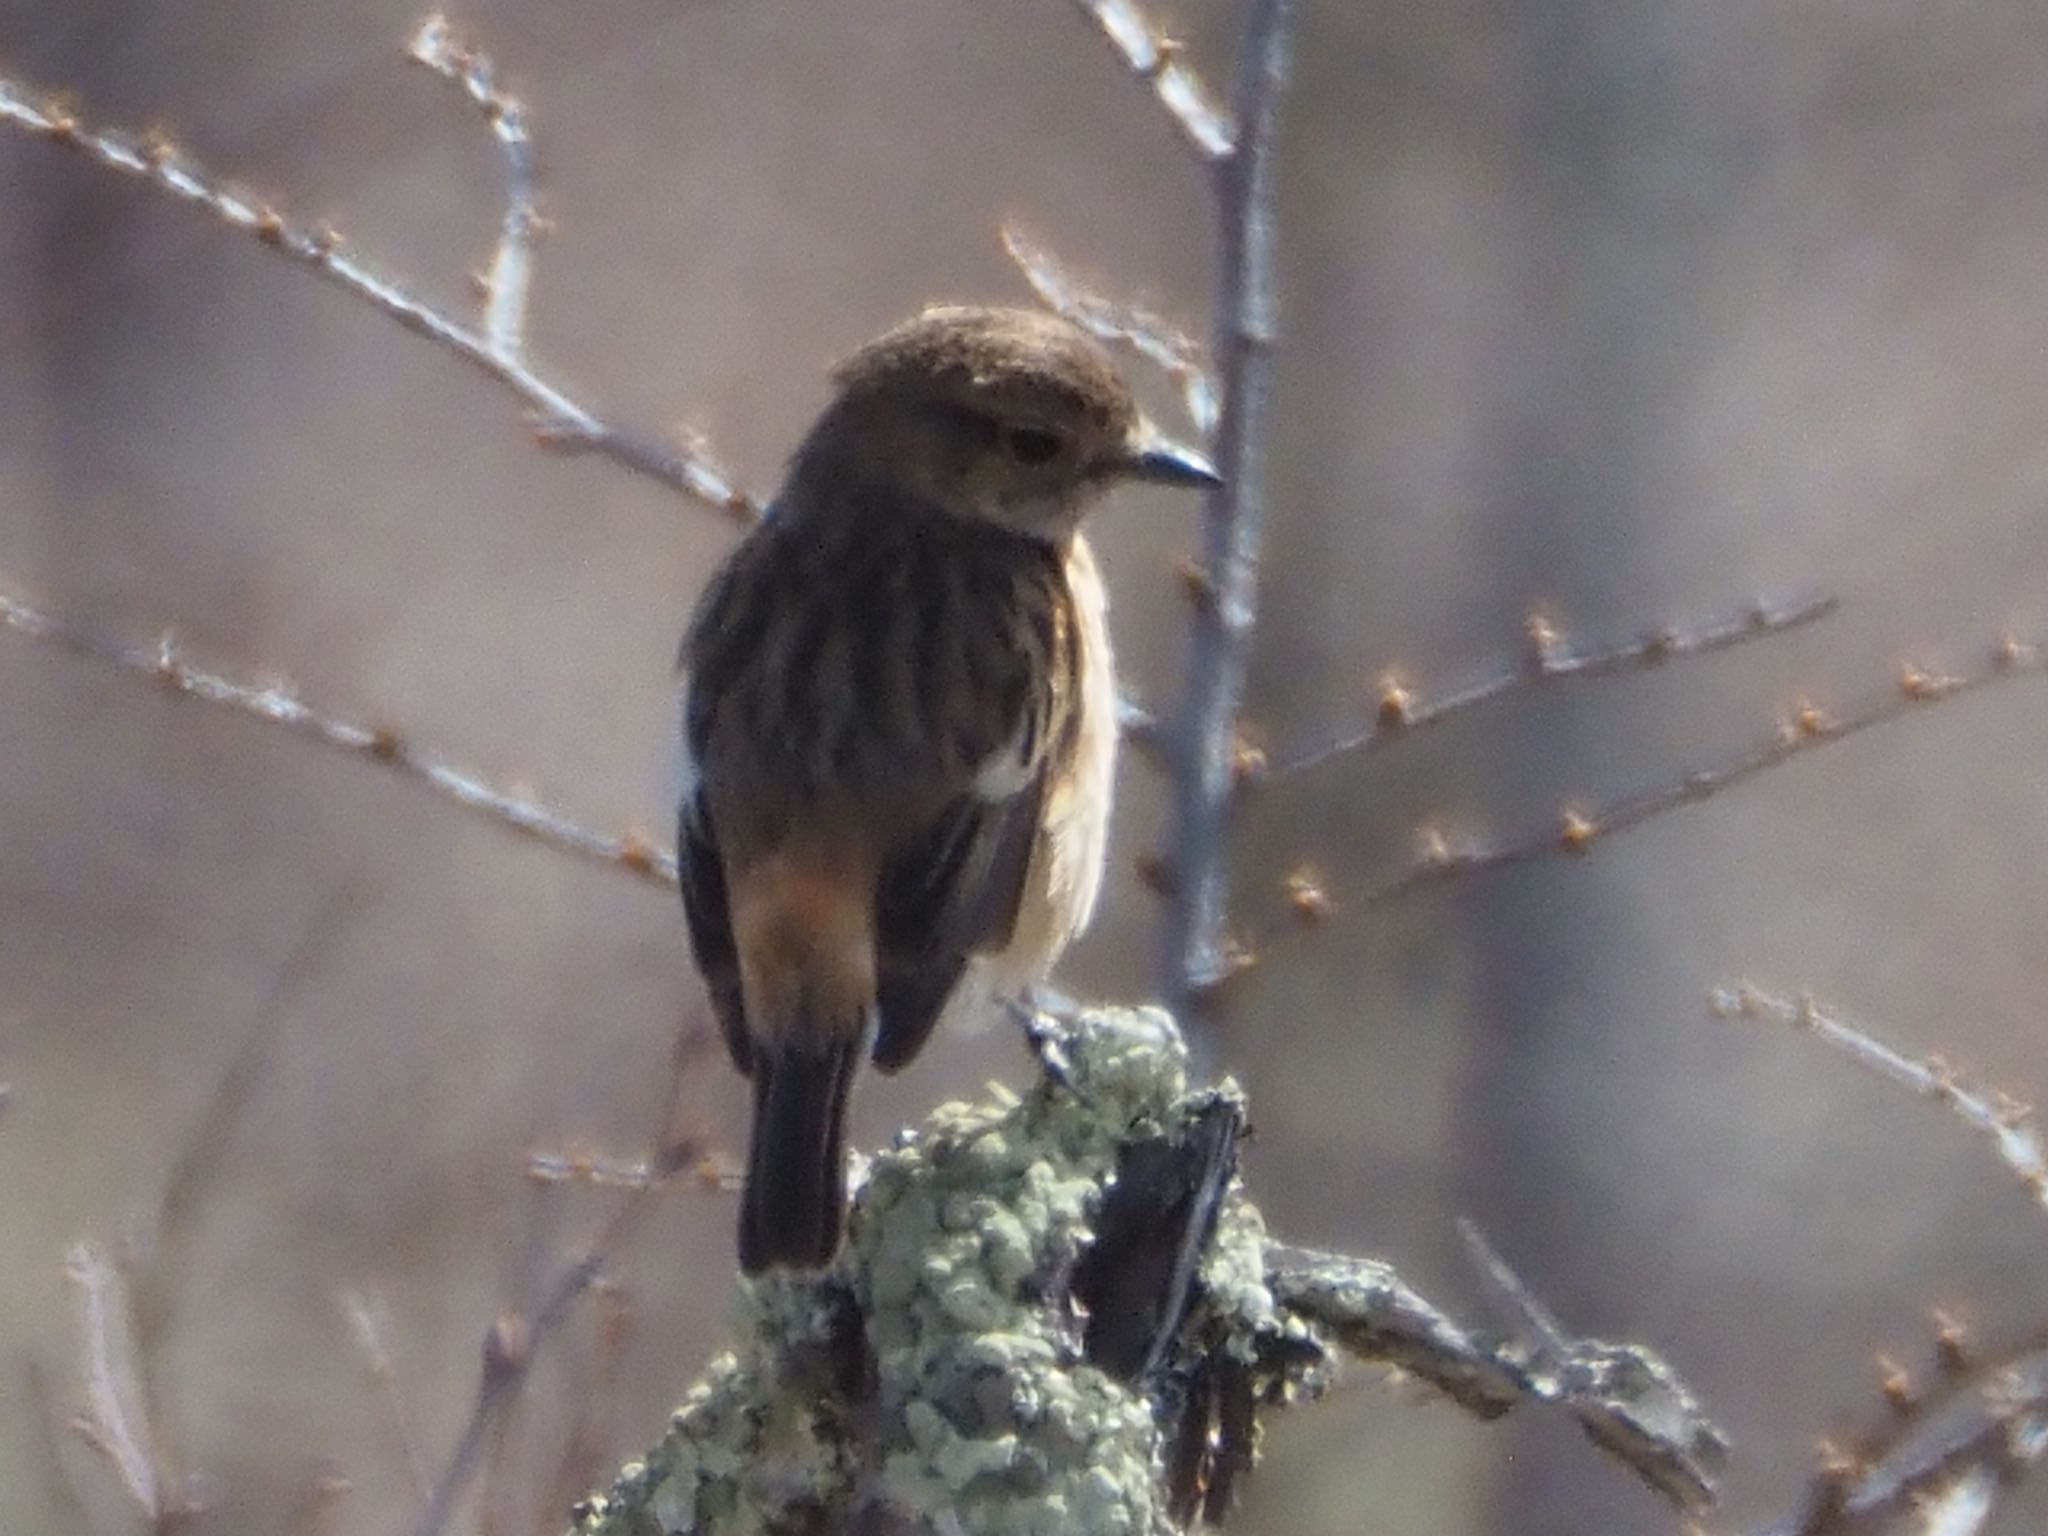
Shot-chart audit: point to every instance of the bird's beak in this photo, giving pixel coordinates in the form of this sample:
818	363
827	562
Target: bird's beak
1155	457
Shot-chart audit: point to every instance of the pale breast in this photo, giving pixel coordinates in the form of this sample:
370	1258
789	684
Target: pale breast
1065	876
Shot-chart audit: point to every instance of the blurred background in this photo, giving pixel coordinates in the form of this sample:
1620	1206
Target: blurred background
1625	310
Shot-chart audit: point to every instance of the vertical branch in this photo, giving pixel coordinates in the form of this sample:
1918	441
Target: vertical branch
1195	955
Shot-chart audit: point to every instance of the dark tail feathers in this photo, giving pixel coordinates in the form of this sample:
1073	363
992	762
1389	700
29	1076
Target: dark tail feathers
795	1199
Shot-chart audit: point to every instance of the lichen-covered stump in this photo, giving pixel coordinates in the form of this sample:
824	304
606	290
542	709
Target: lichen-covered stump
999	1349
1059	1315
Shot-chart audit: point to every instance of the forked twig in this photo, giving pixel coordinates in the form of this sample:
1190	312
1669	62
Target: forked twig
1809	727
494	348
1628	1401
513	1341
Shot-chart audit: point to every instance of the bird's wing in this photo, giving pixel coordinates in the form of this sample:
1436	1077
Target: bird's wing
951	893
701	874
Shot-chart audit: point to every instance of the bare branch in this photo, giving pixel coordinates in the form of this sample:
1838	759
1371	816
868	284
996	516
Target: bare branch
195	1164
1627	1400
1945	1454
493	349
1155	59
368	1325
1375	1316
1985	1425
2005	1122
513	1341
1195	959
1808	728
1549	659
381	744
604	1170
114	1423
1151	336
510	277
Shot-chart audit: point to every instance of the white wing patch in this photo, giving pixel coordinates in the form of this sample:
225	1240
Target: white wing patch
1007	774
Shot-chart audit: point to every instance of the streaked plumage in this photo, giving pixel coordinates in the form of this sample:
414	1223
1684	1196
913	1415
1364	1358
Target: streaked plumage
900	725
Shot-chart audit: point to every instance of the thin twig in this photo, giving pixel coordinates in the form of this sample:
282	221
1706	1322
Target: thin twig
492	349
1549	659
510	276
1626	1399
114	1423
579	1467
577	1165
367	1325
1945	1453
1206	728
150	1263
384	745
1987	1418
1151	336
513	1341
1809	728
2006	1123
1155	58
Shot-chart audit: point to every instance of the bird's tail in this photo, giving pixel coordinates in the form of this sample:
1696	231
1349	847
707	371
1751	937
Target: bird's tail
808	975
795	1199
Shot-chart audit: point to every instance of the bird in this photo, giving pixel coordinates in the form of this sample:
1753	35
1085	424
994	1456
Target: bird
899	725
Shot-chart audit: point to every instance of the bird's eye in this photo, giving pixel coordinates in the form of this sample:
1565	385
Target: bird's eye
1031	445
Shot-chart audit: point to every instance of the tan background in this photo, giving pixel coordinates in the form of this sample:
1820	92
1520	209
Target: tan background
1630	309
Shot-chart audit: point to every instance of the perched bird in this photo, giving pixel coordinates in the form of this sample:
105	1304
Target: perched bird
899	725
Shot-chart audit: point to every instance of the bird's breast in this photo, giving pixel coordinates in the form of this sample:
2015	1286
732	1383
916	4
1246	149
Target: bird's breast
1065	877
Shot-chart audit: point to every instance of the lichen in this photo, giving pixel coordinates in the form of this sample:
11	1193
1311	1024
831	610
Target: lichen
974	1411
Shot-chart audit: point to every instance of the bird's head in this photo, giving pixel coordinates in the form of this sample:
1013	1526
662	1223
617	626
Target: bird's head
1013	416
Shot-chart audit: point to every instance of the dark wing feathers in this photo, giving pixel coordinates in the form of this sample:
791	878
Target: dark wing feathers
942	900
702	876
886	655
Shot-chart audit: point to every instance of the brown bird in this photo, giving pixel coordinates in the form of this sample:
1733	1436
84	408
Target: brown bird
899	725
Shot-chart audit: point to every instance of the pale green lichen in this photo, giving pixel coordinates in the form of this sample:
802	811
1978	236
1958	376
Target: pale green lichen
973	1411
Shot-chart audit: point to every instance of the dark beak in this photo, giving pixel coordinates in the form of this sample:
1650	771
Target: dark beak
1157	458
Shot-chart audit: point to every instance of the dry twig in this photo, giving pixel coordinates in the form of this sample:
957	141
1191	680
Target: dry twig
382	744
1152	337
1398	712
114	1422
513	1340
1156	59
494	347
368	1326
2005	1122
1808	728
1627	1400
1984	1426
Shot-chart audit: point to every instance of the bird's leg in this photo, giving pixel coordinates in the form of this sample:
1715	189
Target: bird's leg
1047	1017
